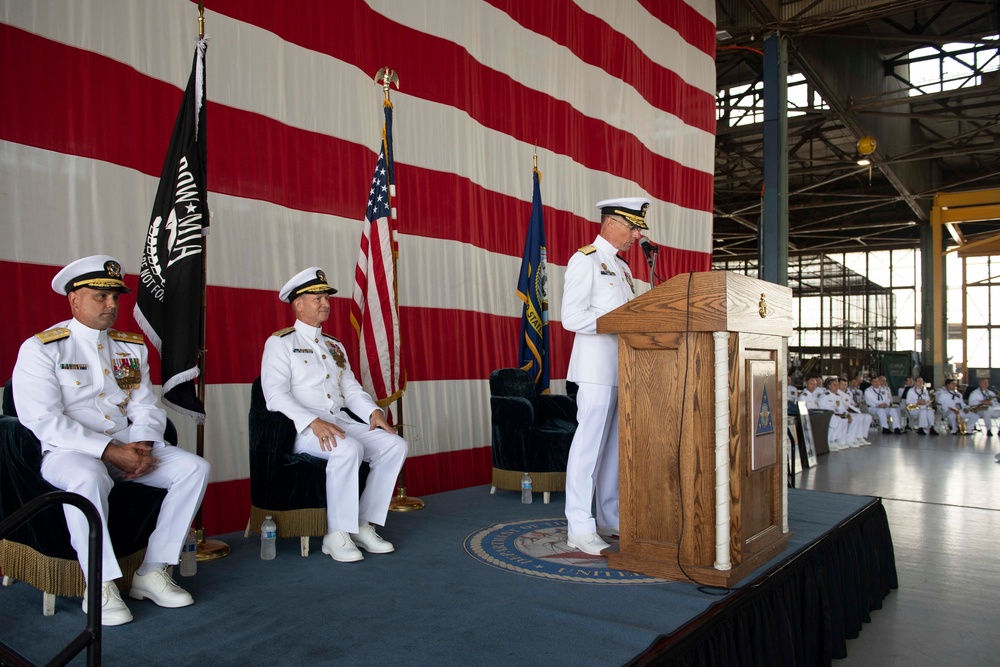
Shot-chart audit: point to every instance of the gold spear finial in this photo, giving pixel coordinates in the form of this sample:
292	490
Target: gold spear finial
386	76
201	19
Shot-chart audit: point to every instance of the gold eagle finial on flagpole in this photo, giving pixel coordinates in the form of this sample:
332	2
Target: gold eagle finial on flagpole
386	76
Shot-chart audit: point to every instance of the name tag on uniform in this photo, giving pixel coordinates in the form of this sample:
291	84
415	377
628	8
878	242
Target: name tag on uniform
73	367
302	350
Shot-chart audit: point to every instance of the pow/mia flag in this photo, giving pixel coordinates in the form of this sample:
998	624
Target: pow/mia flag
171	275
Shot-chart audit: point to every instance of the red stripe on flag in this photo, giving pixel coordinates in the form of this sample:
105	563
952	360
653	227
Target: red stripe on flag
487	341
126	125
596	43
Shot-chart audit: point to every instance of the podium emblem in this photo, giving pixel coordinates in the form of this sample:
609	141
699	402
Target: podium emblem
763	439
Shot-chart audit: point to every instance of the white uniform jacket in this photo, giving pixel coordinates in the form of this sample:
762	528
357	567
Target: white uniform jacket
877	396
66	393
812	397
831	400
915	394
949	400
305	374
978	396
596	282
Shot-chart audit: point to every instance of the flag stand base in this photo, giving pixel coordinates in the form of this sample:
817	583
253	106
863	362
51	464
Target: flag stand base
211	549
404	503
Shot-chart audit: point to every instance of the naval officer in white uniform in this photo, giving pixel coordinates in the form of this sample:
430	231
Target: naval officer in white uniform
597	281
84	390
305	375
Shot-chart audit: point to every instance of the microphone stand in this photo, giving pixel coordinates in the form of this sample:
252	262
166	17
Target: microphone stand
651	254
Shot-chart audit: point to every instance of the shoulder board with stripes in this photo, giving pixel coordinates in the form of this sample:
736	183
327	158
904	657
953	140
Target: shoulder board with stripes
588	250
135	339
326	335
56	333
280	333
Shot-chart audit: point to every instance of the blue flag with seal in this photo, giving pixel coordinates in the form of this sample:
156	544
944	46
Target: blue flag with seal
531	289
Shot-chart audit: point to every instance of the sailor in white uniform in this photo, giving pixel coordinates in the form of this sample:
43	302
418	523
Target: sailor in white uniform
597	281
860	422
923	414
84	390
953	406
985	399
879	401
305	376
830	399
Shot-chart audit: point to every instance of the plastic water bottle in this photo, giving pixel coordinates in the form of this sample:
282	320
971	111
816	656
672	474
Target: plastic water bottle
189	555
268	536
526	489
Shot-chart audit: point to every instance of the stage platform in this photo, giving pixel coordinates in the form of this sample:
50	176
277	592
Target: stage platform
480	579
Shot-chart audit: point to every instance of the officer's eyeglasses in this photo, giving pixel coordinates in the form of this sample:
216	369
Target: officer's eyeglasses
631	227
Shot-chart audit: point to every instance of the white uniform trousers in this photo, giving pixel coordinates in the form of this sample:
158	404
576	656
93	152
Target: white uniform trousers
988	415
837	433
858	428
592	467
385	454
970	419
183	474
923	416
884	414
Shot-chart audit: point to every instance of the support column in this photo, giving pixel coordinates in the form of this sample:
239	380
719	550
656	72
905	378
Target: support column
772	232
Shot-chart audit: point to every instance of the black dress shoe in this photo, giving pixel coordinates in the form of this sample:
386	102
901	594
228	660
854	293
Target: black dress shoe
898	432
921	431
989	434
885	430
933	431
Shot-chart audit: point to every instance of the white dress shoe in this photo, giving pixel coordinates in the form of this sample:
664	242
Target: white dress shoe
370	541
588	543
608	531
114	611
339	547
160	588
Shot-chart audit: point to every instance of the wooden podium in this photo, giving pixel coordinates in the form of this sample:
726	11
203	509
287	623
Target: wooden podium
701	413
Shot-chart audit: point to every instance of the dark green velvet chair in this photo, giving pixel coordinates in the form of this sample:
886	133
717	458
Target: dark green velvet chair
39	552
531	433
288	486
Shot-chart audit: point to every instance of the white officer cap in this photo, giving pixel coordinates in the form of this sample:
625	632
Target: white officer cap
307	281
632	209
95	272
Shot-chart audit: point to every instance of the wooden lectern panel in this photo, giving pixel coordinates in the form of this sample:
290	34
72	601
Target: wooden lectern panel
667	426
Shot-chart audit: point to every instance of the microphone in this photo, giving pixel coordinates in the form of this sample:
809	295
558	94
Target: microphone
649	249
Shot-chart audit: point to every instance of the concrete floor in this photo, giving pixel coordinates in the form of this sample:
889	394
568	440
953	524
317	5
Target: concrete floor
942	496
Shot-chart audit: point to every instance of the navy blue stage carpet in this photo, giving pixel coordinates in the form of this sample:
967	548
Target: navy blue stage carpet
476	579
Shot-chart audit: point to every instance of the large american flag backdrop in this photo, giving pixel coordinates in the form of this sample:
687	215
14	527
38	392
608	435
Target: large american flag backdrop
617	98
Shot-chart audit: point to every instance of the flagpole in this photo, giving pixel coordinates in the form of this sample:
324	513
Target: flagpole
207	549
400	502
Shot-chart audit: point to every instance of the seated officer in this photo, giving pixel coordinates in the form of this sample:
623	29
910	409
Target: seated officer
879	402
841	419
984	401
923	412
950	401
83	389
305	376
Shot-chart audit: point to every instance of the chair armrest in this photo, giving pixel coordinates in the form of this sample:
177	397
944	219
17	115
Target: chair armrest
512	412
556	406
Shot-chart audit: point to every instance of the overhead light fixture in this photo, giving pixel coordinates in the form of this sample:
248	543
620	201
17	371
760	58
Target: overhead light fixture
866	146
722	35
